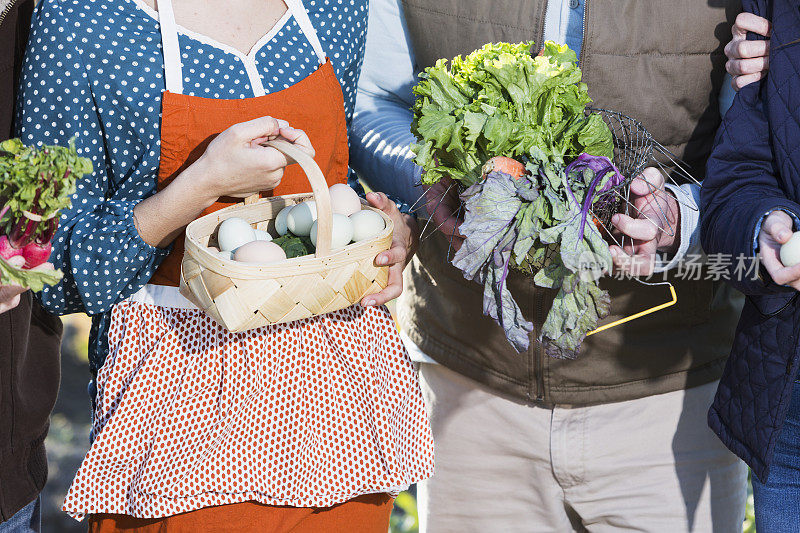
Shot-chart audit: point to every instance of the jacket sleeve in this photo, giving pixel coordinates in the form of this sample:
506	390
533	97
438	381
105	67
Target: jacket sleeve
741	186
380	135
97	245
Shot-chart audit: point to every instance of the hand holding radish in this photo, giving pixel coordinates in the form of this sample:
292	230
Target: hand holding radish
405	240
442	203
775	232
10	293
35	184
748	61
655	228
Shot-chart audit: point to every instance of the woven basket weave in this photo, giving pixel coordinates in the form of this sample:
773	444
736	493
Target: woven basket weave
245	296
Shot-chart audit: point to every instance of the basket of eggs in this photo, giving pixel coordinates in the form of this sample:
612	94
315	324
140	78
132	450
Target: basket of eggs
274	260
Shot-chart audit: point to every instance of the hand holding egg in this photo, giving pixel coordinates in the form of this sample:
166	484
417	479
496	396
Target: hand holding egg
779	249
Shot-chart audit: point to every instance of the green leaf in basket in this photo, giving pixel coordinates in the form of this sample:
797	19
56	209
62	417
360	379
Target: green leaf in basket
294	246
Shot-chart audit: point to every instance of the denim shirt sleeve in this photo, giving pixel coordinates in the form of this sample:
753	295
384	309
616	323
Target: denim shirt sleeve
380	136
97	244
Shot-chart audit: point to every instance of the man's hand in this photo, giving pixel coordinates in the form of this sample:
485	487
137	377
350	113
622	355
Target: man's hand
748	61
775	231
655	228
9	297
405	240
9	294
442	203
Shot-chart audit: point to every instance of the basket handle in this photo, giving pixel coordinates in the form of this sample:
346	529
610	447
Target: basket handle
318	186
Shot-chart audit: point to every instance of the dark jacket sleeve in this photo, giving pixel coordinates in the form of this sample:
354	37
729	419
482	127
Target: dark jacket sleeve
742	183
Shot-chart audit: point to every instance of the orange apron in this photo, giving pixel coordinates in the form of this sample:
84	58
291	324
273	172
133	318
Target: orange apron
189	123
310	414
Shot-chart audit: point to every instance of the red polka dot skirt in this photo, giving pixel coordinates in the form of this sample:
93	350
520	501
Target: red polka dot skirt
306	414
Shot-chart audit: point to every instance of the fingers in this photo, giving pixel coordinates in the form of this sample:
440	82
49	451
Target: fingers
740	67
396	255
637	265
740	81
393	289
744	49
788	276
442	208
748	22
299	138
649	181
637	229
10	297
255	129
380	201
778	227
17	261
9	304
45	267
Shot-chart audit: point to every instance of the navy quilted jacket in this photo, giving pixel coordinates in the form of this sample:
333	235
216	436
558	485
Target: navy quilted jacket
754	169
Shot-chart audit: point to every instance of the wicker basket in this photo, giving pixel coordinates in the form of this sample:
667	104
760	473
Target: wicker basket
245	296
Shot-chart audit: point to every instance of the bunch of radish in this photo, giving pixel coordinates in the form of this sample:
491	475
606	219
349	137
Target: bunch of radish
35	184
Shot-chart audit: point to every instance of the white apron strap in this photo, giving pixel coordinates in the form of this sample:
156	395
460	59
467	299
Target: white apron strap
173	74
301	16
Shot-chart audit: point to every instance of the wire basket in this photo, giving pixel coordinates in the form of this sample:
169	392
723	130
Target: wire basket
633	150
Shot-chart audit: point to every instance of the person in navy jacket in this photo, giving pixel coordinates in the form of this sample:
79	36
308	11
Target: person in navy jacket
750	206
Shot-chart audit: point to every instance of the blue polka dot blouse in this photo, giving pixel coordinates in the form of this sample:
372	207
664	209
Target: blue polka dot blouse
94	70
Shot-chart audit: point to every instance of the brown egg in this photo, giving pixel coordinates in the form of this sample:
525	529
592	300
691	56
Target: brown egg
262	252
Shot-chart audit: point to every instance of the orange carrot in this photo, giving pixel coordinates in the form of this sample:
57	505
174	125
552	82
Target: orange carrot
509	166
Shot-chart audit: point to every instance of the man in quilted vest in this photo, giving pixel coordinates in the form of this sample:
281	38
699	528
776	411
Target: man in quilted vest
751	204
617	439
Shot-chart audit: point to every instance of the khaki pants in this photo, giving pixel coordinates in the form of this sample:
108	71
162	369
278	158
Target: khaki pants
644	465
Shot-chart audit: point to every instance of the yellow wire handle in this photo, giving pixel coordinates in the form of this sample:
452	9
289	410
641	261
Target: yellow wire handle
640	314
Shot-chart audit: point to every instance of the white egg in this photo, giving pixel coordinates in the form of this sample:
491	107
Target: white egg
344	199
280	221
301	217
262	235
226	255
790	251
341	232
366	224
259	252
233	233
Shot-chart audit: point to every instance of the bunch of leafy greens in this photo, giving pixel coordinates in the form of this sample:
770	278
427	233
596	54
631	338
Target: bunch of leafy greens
35	184
40	181
501	101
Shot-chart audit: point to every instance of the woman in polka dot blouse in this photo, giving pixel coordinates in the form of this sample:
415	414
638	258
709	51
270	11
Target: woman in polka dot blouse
313	425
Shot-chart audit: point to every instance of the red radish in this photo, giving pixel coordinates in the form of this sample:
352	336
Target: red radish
35	254
7	251
506	165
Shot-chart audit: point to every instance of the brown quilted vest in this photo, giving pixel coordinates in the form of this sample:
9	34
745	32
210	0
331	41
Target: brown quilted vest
660	61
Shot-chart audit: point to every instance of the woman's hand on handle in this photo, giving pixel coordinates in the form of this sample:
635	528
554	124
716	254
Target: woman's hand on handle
234	163
748	61
405	240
